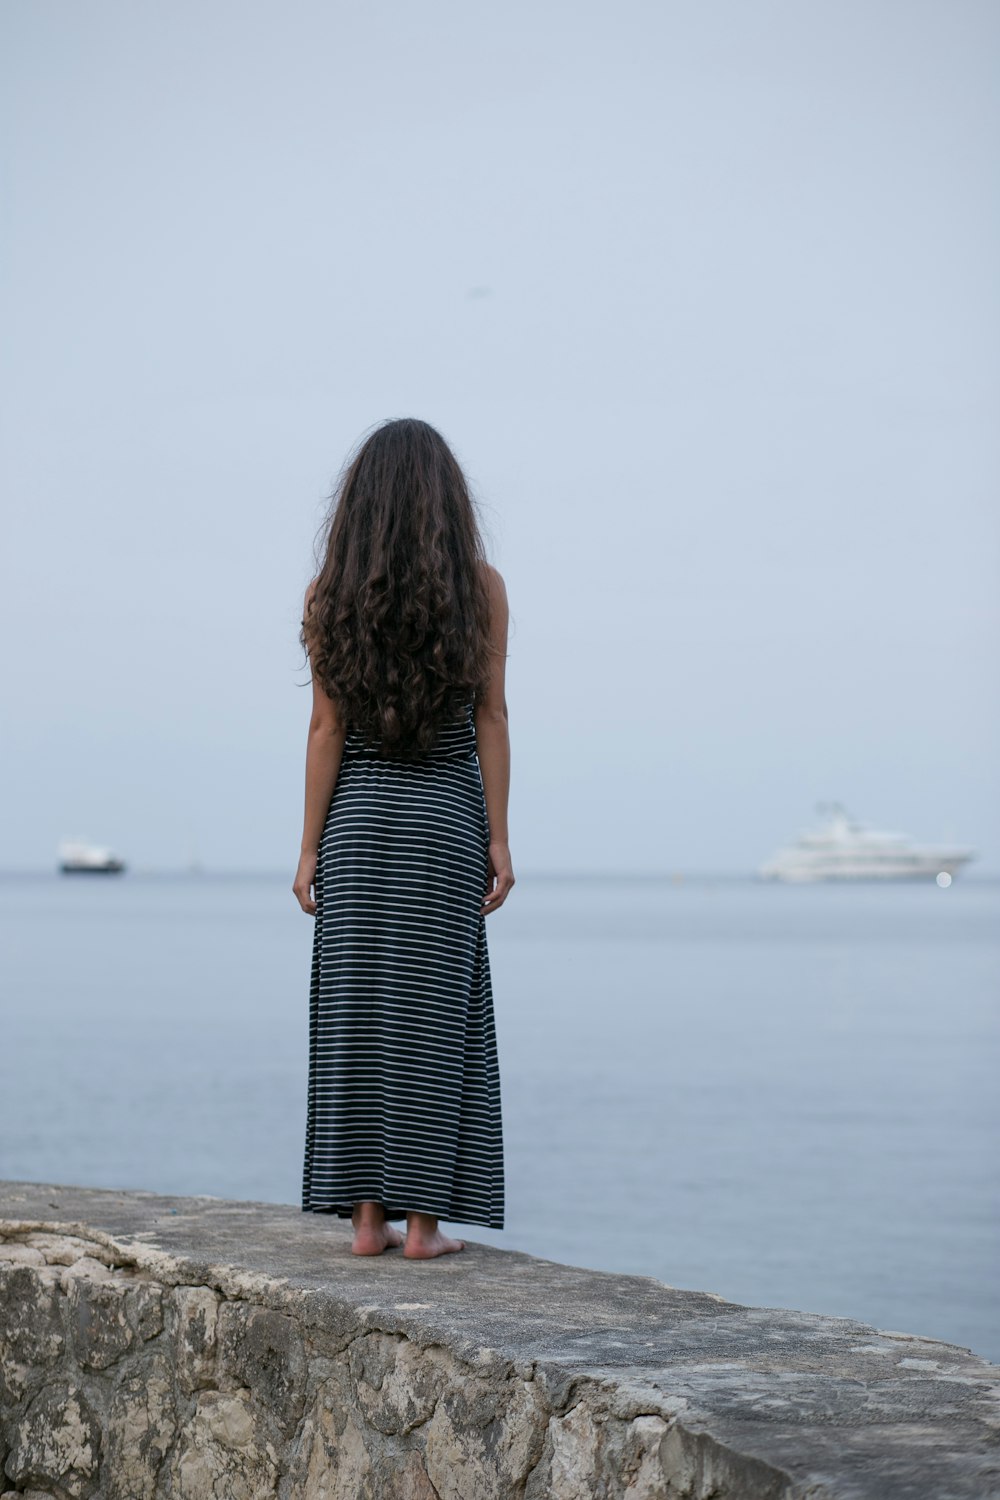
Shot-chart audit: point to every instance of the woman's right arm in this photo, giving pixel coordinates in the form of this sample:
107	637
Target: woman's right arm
493	749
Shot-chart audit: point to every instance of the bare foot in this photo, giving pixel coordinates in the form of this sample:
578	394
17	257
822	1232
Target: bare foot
425	1249
423	1244
373	1234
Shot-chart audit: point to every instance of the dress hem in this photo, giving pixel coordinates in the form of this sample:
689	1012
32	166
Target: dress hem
345	1211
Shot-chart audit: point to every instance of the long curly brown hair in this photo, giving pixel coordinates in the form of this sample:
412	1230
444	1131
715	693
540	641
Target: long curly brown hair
397	625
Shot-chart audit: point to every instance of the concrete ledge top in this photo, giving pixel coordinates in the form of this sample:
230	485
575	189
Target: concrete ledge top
831	1406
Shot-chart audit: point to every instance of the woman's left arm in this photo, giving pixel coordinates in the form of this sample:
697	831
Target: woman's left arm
324	749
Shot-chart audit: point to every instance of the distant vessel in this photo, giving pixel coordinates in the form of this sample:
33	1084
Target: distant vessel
79	858
844	849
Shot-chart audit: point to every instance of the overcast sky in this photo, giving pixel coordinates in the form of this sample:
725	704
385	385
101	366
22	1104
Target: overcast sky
703	296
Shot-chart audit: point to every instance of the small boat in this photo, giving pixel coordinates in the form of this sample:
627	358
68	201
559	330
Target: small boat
844	849
76	857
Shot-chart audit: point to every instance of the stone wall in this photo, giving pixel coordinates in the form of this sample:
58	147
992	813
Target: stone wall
114	1377
138	1367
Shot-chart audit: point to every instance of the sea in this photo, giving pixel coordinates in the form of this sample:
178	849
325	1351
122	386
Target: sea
786	1095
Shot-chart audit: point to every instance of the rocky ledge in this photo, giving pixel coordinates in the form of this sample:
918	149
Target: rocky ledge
195	1347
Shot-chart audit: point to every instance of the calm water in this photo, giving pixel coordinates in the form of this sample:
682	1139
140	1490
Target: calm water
786	1096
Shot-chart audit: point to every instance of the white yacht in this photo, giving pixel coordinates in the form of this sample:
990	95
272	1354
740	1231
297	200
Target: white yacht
844	849
77	857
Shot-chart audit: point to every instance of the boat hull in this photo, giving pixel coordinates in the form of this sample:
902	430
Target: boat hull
114	867
856	870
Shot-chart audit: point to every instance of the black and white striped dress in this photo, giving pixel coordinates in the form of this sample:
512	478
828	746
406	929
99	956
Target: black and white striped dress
403	1103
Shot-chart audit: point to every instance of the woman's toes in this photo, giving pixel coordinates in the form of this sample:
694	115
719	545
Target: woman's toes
440	1244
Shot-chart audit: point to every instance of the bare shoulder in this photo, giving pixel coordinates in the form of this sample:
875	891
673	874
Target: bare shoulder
310	591
495	585
499	618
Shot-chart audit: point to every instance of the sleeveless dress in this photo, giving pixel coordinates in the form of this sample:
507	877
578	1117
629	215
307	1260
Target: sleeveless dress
403	1100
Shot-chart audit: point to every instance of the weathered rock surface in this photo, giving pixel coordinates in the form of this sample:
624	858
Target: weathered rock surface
199	1349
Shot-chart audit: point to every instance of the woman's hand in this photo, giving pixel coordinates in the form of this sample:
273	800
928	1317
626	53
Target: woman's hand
304	883
499	878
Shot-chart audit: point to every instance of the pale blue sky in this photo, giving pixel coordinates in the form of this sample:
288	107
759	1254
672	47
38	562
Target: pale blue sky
705	299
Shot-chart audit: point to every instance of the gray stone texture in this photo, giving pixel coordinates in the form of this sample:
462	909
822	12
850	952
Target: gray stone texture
202	1349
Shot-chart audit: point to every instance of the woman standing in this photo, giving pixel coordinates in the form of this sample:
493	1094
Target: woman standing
404	851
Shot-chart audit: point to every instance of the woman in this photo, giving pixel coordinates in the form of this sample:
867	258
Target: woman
404	851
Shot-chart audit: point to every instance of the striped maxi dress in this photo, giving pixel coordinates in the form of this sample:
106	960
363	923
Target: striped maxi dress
403	1100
